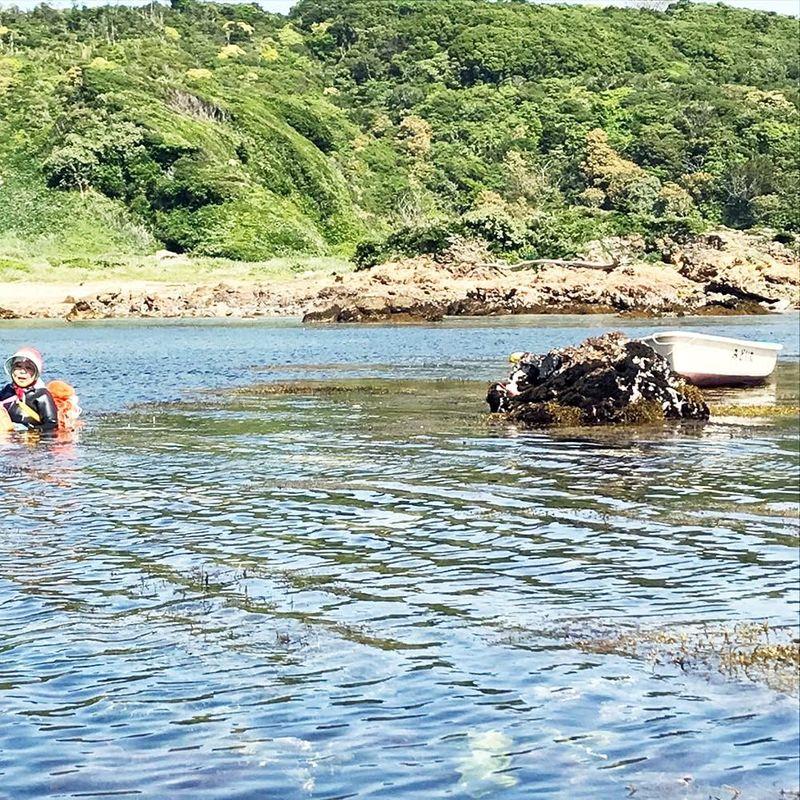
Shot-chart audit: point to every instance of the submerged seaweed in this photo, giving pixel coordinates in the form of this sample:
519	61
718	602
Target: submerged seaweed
311	388
748	650
729	410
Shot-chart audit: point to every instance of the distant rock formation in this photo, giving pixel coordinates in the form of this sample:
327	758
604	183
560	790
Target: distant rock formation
608	379
221	300
716	273
723	272
378	309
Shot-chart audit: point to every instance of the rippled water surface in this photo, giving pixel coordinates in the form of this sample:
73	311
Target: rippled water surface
359	588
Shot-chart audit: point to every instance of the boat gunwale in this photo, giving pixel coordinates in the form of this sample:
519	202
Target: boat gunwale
685	337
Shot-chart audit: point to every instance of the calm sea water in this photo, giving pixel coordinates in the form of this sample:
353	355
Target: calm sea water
214	592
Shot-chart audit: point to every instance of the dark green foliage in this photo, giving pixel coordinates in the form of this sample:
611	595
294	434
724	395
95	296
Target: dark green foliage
226	130
410	240
430	239
369	253
561	234
496	226
310	121
177	230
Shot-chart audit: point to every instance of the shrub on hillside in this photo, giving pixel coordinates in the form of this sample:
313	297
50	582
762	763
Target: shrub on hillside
496	226
369	253
779	212
408	241
193	183
628	188
563	233
427	239
309	121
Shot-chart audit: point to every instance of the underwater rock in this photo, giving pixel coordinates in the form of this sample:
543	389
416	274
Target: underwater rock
487	766
607	379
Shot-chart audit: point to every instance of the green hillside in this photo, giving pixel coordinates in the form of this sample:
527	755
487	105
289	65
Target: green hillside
370	125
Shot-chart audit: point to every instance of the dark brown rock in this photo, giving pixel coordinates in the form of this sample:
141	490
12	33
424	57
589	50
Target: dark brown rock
738	293
82	309
327	315
608	379
377	310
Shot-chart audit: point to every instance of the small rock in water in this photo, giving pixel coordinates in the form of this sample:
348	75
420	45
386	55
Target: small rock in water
607	379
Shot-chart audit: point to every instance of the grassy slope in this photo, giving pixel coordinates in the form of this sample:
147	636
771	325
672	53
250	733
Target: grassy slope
251	137
226	116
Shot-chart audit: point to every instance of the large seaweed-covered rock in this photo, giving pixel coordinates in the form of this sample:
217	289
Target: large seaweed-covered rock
608	379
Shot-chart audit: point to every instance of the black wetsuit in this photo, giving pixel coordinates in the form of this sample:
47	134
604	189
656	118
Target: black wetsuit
37	398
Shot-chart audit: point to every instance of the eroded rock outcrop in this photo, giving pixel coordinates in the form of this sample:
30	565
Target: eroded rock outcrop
221	300
377	309
743	266
720	272
607	379
723	272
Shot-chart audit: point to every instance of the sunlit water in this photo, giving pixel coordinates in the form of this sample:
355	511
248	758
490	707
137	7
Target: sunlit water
229	594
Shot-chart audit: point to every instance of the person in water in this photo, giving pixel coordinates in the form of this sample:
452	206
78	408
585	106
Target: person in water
26	399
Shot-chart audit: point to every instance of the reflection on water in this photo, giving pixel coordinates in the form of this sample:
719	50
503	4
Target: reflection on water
309	594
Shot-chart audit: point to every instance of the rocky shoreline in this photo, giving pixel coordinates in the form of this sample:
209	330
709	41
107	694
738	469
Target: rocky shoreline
722	272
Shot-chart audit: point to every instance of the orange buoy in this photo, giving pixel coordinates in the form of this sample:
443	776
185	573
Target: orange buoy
66	400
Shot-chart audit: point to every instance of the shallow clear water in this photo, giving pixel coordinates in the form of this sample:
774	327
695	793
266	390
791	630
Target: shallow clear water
357	593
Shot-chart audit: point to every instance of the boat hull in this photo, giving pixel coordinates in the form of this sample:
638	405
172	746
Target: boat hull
709	381
707	360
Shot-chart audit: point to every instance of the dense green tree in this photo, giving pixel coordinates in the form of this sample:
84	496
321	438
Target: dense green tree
227	130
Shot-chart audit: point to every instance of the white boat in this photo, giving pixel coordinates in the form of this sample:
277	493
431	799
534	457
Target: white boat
707	360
